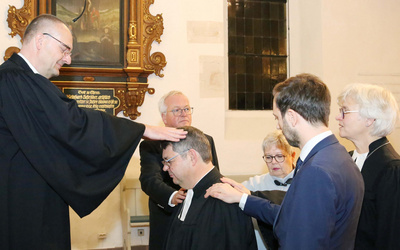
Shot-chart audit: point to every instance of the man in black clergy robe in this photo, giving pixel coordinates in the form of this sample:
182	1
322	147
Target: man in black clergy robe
163	194
54	154
202	223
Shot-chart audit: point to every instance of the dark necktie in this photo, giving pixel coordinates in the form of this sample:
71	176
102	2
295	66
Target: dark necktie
298	166
288	181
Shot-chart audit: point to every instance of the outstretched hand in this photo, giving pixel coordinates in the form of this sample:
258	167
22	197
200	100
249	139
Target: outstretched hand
224	192
238	186
164	133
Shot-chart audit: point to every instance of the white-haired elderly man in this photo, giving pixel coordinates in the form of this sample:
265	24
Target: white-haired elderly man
164	195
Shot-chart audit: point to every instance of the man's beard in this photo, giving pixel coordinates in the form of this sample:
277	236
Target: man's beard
291	135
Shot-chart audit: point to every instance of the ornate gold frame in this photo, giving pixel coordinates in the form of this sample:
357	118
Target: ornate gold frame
140	29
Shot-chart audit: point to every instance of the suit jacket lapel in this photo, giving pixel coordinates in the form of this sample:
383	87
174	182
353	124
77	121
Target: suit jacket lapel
320	145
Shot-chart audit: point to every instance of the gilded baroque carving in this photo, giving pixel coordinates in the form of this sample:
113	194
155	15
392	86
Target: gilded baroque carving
131	99
18	19
153	29
142	29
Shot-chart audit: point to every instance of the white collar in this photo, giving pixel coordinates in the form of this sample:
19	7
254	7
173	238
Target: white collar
29	64
312	142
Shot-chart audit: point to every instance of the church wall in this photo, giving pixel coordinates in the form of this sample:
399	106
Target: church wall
340	41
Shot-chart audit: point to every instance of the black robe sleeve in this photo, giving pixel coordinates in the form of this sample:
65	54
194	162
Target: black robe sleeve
81	154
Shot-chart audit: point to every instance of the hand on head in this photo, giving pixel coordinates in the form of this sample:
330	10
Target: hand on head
164	133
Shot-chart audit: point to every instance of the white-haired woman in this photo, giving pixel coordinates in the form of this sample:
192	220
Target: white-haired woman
368	113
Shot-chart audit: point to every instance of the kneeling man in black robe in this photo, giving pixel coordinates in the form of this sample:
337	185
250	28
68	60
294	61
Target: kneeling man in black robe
202	223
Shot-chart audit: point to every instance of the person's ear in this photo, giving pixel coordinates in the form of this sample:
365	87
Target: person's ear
193	156
164	117
369	122
292	117
39	41
293	156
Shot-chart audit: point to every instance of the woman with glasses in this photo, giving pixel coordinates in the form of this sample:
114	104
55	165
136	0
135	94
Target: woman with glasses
279	157
368	113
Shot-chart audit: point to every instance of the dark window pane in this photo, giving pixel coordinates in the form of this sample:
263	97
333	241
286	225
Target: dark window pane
249	45
248	10
266	62
274	28
274	11
274	46
265	10
258	101
250	65
248	27
232	65
241	82
257	9
241	105
231	9
239	45
258	65
266	27
268	99
282	30
274	68
282	47
258	86
232	83
231	26
266	46
258	45
257	27
240	64
232	101
257	51
239	9
250	83
250	101
240	26
232	45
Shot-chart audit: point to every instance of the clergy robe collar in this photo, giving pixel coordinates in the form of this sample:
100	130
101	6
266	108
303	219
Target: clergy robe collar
206	182
29	64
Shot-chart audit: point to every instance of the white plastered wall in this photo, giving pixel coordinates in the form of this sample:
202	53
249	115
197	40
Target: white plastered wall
340	41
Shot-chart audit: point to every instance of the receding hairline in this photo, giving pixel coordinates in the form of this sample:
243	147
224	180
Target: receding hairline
38	24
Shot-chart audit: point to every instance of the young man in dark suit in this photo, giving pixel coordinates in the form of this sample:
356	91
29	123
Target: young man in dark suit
322	206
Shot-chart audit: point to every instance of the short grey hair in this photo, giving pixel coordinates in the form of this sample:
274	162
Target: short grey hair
161	104
277	139
374	102
39	23
195	139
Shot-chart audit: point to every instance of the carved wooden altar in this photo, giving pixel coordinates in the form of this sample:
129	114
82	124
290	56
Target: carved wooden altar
140	29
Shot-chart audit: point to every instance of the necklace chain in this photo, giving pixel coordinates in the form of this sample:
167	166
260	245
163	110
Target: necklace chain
377	149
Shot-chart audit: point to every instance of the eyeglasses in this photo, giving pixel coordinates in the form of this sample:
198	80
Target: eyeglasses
168	162
343	112
67	51
178	112
270	158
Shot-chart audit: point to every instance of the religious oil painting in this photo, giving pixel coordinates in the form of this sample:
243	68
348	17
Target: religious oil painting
97	34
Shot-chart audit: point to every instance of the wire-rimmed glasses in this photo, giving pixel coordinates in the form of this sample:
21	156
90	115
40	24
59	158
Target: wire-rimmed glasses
67	51
178	112
343	112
